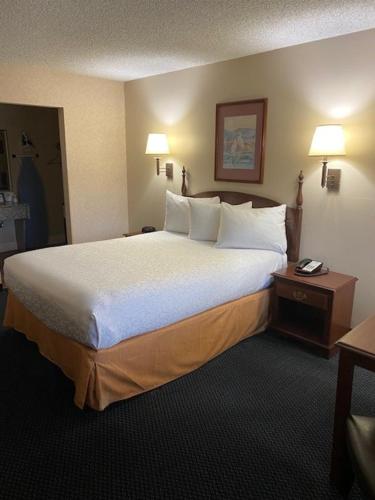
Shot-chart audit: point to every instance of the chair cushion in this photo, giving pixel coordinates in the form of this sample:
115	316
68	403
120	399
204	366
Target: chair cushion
361	444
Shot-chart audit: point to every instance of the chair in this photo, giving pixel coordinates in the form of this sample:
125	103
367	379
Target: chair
360	436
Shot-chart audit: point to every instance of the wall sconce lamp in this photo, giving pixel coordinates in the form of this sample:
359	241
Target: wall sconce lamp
157	144
328	140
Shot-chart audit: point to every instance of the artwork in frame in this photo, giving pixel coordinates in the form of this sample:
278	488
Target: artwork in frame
240	135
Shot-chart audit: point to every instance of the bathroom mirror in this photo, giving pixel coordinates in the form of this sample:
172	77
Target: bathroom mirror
5	181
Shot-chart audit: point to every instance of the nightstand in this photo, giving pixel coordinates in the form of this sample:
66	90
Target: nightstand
315	310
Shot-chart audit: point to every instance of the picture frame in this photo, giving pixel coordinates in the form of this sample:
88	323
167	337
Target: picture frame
240	140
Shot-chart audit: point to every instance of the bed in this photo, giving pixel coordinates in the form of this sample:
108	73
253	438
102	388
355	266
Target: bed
124	316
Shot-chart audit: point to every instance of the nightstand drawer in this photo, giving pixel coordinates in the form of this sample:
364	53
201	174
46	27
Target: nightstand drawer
302	294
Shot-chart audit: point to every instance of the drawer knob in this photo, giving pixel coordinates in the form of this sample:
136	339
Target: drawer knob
299	295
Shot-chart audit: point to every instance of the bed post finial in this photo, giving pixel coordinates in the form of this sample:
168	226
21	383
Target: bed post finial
299	199
183	187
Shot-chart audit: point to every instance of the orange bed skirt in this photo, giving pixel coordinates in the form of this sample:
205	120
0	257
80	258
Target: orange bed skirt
142	363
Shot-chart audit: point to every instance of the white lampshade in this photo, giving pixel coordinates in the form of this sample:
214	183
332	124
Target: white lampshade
157	144
328	140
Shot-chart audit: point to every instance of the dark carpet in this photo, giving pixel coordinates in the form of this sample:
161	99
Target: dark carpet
255	423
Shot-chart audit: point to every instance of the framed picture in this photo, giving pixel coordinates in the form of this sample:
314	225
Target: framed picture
240	135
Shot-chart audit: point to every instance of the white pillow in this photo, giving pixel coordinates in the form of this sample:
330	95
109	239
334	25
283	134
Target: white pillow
276	214
247	204
204	219
259	228
177	212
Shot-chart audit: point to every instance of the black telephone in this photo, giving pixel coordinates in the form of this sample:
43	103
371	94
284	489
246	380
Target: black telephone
308	266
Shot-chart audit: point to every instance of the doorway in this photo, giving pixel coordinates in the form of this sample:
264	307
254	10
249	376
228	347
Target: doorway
35	173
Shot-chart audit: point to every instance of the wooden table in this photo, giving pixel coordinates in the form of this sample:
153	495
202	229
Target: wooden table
357	348
316	310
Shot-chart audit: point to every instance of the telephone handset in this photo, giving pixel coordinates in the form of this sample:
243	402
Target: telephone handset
308	266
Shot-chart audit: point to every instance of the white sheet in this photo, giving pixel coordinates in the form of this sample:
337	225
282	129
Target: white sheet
103	292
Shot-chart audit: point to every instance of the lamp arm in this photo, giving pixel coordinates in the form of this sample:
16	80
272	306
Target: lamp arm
324	172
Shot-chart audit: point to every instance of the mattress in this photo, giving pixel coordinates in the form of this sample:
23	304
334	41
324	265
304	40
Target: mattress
103	292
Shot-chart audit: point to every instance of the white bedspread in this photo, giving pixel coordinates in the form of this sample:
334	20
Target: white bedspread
104	292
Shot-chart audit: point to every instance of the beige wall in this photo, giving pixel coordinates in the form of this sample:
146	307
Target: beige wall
331	81
93	117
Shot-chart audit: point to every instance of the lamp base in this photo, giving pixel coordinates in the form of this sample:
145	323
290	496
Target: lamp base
333	179
168	169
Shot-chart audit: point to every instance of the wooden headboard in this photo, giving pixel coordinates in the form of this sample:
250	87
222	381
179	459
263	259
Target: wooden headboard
293	220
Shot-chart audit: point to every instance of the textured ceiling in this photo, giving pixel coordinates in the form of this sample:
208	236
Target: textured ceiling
128	39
